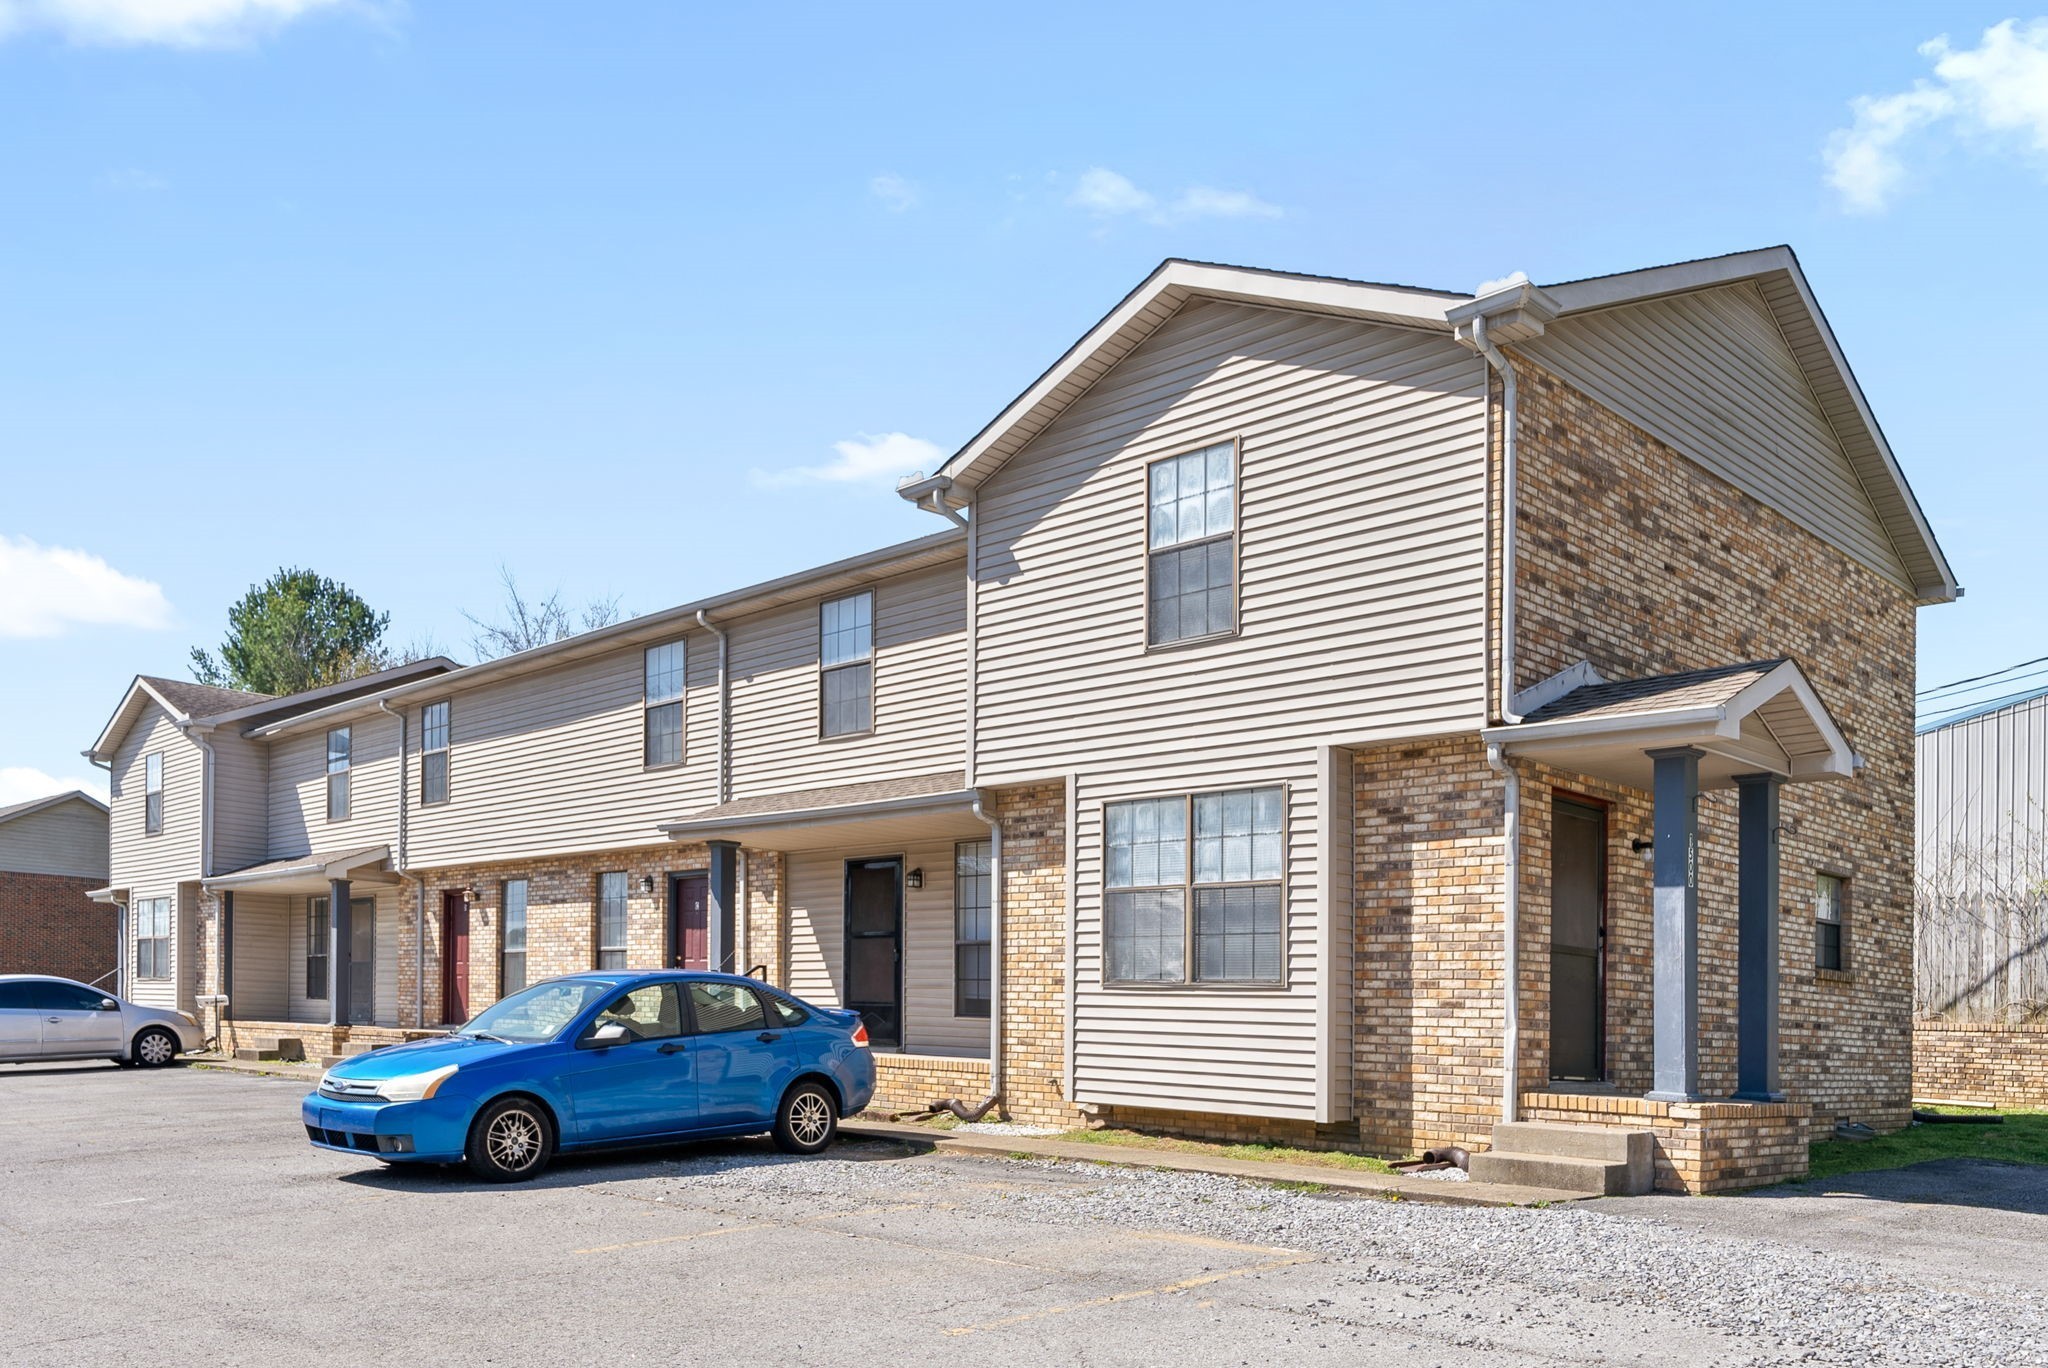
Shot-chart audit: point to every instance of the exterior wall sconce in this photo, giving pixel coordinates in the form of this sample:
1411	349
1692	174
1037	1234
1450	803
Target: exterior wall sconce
914	879
1644	847
646	883
473	895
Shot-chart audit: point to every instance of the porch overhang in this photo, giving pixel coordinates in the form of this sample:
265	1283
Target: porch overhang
1761	717
310	874
875	815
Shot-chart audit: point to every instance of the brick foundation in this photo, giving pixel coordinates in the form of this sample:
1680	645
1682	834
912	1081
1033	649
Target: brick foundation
1701	1147
1994	1065
907	1082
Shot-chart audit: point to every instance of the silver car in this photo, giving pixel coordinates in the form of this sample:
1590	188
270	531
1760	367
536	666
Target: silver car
57	1018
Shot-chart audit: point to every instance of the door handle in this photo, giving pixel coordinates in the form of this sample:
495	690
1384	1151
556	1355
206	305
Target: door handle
769	1037
673	1047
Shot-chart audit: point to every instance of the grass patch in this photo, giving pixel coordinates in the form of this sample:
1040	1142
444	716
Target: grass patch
2023	1139
1275	1154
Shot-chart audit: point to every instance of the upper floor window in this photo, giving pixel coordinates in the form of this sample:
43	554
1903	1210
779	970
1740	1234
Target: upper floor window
1191	536
153	793
337	774
971	926
1227	875
152	938
611	920
846	660
1830	906
663	705
434	753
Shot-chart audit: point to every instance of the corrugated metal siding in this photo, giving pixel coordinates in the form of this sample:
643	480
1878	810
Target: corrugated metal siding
264	968
241	801
1363	573
68	839
1710	374
920	684
158	862
298	822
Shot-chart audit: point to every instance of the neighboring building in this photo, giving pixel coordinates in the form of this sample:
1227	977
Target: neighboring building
1170	786
53	853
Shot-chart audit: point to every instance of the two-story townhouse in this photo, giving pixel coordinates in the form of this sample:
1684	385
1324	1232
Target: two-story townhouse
1347	713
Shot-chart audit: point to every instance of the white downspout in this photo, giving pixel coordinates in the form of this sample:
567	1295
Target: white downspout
1496	756
206	797
973	663
120	907
724	706
995	953
419	890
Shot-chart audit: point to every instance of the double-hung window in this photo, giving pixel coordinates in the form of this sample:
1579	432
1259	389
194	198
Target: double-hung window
337	774
611	920
1191	536
434	753
971	918
1193	888
512	957
663	705
316	949
153	793
846	662
1830	907
152	938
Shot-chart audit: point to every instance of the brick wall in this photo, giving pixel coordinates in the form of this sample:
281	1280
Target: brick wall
1998	1066
1699	1147
767	914
1034	1005
910	1083
49	926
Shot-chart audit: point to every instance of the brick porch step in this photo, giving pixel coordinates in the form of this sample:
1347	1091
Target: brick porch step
1606	1161
276	1048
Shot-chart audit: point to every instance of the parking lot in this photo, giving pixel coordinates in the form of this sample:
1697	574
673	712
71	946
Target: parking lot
179	1217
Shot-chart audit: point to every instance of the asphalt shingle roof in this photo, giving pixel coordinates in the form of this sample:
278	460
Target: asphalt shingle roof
1656	693
201	700
836	795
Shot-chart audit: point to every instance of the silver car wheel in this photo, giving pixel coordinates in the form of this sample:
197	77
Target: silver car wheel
514	1140
155	1049
810	1118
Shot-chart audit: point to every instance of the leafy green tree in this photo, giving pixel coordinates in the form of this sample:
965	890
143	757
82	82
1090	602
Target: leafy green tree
297	630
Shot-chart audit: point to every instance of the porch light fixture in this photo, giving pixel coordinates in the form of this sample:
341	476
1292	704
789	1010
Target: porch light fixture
1645	847
646	883
914	879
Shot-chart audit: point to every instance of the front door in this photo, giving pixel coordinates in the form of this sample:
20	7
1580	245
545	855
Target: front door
689	921
454	956
1578	932
874	947
362	969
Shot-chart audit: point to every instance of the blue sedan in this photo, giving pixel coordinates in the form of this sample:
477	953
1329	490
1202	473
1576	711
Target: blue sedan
598	1060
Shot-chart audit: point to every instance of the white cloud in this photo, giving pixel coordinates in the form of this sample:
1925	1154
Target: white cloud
896	193
164	23
1487	287
870	458
45	590
1995	93
19	784
1108	194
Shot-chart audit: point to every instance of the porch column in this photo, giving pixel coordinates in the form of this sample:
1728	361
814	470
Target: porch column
722	923
1756	961
340	942
1675	988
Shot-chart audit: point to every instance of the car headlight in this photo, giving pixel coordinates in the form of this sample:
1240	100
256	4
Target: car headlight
414	1087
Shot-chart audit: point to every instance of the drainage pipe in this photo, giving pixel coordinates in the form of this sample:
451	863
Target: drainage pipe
1506	370
724	705
419	890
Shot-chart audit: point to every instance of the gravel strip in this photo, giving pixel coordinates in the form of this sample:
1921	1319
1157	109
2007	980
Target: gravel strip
1803	1306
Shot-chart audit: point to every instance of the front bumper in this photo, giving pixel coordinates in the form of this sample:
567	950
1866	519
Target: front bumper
433	1131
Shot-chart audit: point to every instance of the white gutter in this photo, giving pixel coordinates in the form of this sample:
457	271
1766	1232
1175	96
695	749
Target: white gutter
995	954
724	705
973	654
206	796
419	890
120	903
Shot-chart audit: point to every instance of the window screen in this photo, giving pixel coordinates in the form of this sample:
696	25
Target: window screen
1191	533
664	704
434	731
846	659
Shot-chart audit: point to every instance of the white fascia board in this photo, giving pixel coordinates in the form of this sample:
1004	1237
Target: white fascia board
686	829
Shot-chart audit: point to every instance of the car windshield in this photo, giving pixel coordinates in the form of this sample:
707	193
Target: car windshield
537	1013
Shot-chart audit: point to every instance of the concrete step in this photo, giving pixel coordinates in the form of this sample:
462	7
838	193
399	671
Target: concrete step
1592	1176
1610	1144
255	1054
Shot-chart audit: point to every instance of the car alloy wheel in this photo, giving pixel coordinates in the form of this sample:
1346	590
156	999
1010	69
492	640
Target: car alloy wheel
514	1139
510	1141
154	1049
808	1119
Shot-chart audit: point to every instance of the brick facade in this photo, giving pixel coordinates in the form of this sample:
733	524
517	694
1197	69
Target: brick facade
1034	1007
1699	1147
1994	1065
49	926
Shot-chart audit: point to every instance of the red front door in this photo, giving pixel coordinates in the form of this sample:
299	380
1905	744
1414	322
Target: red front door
689	921
454	957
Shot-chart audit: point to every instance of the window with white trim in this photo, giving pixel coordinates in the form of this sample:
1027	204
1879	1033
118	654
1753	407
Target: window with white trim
152	938
846	663
153	793
1191	541
1193	888
512	956
662	704
316	949
972	915
1830	904
337	774
611	920
434	719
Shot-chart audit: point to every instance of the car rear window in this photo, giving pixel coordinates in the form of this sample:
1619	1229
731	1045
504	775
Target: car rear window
726	1007
785	1011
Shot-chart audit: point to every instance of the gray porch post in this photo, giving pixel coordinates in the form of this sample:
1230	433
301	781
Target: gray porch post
227	954
722	923
340	944
1675	988
1756	960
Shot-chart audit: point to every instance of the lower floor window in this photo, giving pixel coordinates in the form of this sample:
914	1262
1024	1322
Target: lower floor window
153	938
1193	888
611	920
972	960
1830	901
316	949
512	965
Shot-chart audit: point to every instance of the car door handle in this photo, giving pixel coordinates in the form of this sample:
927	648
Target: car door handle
768	1037
55	1021
673	1047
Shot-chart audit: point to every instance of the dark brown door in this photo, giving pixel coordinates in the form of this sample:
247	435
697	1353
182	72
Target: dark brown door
454	957
874	947
689	921
1578	932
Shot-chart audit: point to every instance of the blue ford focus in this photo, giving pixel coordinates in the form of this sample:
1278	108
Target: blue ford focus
599	1060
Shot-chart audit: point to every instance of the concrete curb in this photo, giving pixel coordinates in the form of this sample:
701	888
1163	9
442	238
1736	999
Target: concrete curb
269	1068
1401	1186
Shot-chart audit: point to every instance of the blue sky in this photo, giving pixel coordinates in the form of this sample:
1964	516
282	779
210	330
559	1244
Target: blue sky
654	299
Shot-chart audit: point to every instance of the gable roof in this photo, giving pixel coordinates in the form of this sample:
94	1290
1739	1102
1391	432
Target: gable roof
194	701
14	810
1177	282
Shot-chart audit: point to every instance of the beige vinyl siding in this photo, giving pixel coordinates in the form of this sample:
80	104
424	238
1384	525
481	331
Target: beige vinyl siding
1362	489
68	838
241	798
551	762
298	790
159	861
1710	374
919	690
1336	803
817	893
264	969
390	915
161	992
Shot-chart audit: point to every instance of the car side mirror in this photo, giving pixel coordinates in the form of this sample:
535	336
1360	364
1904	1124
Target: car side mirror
604	1035
109	1005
